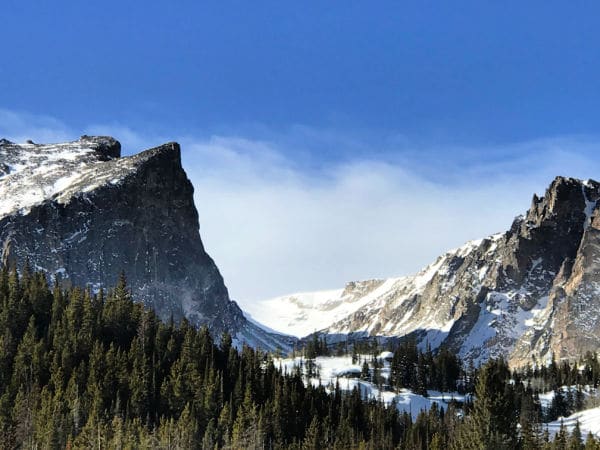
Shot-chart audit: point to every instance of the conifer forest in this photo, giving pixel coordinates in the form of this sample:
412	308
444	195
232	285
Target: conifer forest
80	369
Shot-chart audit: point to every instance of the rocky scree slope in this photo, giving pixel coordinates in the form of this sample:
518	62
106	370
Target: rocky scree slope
82	213
523	294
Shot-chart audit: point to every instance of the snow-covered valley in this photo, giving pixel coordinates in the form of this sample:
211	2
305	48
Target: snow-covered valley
332	371
340	371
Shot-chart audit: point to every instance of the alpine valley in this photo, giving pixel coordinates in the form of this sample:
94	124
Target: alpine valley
82	214
417	362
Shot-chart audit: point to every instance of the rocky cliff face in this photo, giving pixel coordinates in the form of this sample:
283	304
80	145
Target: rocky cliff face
523	294
82	213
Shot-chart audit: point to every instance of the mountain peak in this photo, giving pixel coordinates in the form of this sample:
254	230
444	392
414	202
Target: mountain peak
523	294
105	145
82	213
31	174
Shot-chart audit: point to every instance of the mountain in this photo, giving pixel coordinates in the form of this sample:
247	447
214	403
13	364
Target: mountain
82	214
307	312
526	294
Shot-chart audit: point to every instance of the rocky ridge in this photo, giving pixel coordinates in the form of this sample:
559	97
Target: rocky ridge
525	294
82	213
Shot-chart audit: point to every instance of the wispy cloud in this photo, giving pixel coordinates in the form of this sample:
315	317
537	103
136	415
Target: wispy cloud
276	228
281	213
21	126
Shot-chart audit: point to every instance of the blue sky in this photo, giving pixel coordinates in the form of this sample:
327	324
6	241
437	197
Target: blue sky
328	141
456	71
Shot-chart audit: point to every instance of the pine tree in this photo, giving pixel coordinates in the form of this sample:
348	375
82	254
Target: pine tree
591	443
493	422
576	439
558	405
186	430
365	372
529	419
560	440
312	438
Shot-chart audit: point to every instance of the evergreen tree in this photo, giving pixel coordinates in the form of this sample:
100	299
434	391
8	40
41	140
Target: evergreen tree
576	440
591	443
312	439
492	423
558	406
365	372
529	420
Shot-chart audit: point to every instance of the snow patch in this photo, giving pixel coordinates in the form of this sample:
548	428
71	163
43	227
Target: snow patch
40	173
589	422
304	313
588	209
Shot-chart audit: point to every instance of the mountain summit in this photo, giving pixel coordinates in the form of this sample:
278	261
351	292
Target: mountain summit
82	214
526	294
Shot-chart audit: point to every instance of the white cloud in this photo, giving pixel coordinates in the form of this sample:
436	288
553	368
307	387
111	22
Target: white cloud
277	220
19	127
274	228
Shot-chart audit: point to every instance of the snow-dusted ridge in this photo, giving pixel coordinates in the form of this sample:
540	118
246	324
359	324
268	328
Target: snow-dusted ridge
304	313
31	174
522	294
81	210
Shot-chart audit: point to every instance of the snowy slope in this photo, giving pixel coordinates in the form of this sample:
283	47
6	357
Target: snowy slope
341	371
304	313
589	422
33	173
428	303
391	307
589	419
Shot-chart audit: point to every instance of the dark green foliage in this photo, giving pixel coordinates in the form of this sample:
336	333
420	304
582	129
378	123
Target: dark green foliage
419	371
559	407
316	347
493	420
83	370
86	371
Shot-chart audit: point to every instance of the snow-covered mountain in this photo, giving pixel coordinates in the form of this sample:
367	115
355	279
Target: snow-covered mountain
524	294
305	313
82	213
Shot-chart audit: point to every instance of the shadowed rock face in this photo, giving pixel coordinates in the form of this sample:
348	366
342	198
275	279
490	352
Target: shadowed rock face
83	214
572	324
523	294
